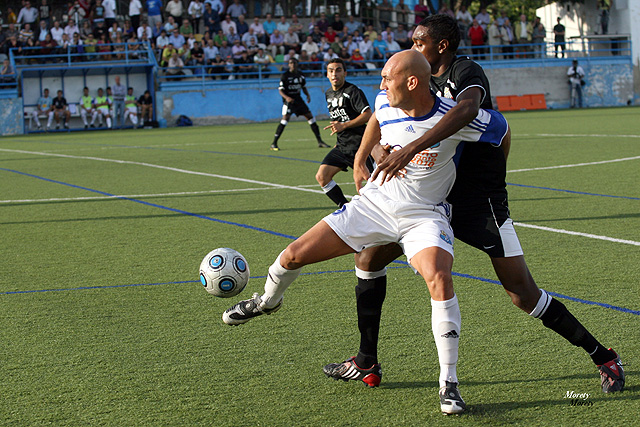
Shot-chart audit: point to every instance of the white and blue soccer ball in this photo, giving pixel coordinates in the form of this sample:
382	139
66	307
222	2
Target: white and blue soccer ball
224	272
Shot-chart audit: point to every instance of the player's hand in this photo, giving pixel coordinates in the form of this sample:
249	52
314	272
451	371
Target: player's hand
360	175
335	127
308	98
393	165
380	152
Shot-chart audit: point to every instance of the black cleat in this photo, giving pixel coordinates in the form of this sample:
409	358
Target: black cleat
322	144
450	400
348	370
274	147
246	310
612	375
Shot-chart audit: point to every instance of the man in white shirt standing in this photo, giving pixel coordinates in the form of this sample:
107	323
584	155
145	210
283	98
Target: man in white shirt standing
576	76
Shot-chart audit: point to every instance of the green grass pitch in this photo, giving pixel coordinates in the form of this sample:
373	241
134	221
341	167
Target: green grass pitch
103	320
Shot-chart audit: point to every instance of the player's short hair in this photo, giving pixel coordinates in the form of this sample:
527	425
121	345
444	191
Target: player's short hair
338	61
85	88
293	59
129	88
443	27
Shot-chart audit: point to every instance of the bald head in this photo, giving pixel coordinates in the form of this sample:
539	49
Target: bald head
405	77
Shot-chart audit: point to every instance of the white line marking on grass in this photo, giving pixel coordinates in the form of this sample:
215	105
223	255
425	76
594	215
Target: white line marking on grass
150	165
577	135
624	159
577	233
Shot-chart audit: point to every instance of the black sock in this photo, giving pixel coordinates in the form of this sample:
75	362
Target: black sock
316	131
278	133
560	320
337	196
370	295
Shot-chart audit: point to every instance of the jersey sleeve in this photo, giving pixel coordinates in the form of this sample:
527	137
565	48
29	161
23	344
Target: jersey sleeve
359	101
467	75
489	127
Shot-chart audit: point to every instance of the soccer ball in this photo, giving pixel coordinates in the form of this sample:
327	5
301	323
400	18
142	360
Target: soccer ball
224	272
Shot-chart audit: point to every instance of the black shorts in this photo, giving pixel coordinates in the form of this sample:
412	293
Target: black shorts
339	159
297	107
487	227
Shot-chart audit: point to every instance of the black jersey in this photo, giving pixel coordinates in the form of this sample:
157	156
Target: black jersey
292	83
59	103
481	168
346	104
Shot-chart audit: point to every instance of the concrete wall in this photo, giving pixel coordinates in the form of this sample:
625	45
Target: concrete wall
608	85
11	113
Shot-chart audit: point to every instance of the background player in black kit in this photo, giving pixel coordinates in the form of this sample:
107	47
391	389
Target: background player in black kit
292	82
480	214
349	113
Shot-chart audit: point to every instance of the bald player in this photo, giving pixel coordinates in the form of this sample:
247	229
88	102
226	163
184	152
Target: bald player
411	211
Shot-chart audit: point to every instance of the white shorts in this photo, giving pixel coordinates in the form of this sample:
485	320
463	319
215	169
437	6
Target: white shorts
104	112
133	110
362	224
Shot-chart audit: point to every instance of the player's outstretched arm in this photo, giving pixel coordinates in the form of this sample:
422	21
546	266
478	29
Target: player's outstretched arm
454	120
370	138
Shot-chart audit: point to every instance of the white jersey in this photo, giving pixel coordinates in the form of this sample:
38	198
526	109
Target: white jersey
431	173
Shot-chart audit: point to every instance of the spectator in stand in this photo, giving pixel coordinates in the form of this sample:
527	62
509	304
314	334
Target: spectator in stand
494	39
228	23
171	25
86	29
476	36
402	13
186	28
246	65
7	73
246	37
154	12
26	34
87	108
44	12
269	26
329	55
350	45
392	46
537	36
523	31
330	35
135	9
113	31
262	60
283	25
210	52
402	37
366	47
225	50
100	30
310	46
316	34
44	107
77	48
176	66
252	47
109	12
197	57
258	30
61	110
144	29
103	47
175	9
342	35
11	16
357	37
57	32
353	25
48	47
507	38
28	14
558	34
42	31
384	13
323	45
421	11
157	30
241	25
216	5
217	66
483	18
166	54
386	32
236	9
297	26
71	28
323	23
127	29
96	13
90	47
237	49
502	18
211	19
195	11
276	43
357	60
232	36
291	54
380	49
464	20
337	23
145	102
371	32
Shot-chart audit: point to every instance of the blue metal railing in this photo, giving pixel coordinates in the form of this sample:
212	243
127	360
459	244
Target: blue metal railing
73	55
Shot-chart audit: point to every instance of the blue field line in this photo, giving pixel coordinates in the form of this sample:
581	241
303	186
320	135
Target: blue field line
155	205
573	192
467	276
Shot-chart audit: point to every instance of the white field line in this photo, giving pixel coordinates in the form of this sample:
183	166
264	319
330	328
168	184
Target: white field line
576	233
624	159
298	188
575	135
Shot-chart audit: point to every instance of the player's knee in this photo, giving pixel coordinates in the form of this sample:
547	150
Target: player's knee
290	257
440	283
322	178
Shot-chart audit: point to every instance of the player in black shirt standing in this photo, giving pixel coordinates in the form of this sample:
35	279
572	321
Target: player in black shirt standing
61	109
349	113
480	219
292	83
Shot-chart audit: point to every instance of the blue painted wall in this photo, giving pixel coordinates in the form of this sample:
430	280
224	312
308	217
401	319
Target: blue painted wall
11	116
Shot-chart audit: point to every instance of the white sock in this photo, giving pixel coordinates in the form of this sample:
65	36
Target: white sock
50	119
278	280
329	186
84	117
109	122
445	323
133	118
542	305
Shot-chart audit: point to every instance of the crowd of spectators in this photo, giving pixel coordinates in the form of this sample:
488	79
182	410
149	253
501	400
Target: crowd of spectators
218	37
